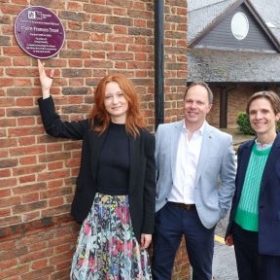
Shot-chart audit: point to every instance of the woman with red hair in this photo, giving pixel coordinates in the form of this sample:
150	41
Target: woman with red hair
115	190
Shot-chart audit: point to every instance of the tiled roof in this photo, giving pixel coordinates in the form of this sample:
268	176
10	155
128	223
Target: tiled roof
202	13
269	10
231	66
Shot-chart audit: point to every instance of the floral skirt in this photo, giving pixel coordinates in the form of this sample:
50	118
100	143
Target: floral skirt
107	248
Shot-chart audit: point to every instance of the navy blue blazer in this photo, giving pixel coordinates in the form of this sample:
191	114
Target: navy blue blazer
142	168
269	200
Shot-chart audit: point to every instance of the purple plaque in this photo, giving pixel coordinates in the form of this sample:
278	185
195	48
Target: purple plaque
39	32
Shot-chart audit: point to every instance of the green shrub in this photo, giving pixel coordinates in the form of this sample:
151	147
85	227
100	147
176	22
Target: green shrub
244	124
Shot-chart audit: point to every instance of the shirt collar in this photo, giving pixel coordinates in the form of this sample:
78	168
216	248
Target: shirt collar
199	131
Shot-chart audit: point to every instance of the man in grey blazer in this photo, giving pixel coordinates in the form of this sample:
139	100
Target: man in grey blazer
195	185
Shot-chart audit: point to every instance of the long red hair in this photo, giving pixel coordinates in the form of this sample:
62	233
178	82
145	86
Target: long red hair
100	118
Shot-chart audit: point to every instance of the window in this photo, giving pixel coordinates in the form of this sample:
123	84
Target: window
239	26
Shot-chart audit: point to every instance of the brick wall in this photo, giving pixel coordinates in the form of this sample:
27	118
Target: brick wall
237	100
238	96
37	172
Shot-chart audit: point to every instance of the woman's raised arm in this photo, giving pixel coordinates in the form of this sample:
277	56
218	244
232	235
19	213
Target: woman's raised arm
46	81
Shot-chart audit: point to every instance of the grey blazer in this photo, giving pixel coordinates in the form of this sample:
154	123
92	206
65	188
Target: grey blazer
214	181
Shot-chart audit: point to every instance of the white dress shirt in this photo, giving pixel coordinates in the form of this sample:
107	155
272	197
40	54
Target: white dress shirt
186	165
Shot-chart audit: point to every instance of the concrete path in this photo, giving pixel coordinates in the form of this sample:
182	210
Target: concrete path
224	265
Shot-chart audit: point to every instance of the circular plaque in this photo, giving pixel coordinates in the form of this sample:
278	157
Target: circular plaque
39	32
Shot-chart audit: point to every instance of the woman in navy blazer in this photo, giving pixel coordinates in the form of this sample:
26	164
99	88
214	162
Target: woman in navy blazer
254	224
115	190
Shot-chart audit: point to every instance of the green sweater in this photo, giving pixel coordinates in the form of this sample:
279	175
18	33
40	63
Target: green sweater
247	212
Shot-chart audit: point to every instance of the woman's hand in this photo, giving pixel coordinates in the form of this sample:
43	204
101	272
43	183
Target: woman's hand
46	82
229	240
146	240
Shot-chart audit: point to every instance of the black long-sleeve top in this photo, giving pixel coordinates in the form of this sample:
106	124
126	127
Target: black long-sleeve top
113	165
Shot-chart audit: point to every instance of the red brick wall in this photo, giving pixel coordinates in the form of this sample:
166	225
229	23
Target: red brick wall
37	172
39	252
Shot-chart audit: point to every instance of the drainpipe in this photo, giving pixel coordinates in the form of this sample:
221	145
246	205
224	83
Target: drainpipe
159	62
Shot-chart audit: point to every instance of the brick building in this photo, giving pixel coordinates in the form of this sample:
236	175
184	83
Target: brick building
37	172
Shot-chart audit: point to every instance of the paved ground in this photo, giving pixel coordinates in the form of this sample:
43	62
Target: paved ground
224	265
